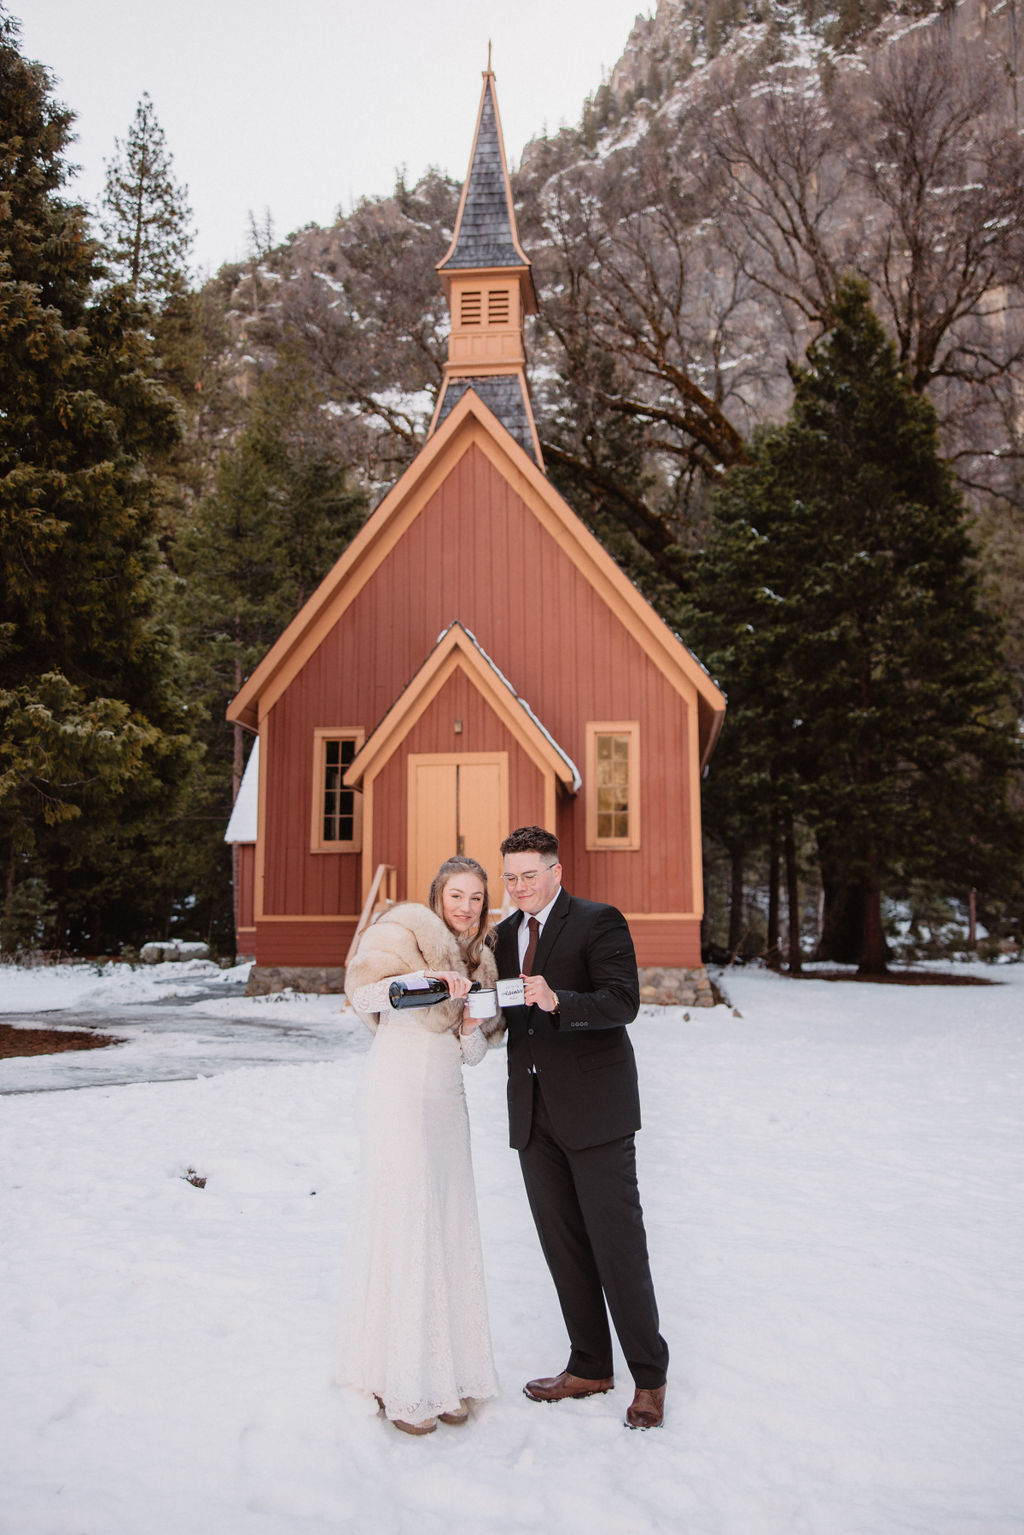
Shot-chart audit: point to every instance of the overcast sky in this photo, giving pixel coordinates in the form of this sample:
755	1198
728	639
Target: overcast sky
304	106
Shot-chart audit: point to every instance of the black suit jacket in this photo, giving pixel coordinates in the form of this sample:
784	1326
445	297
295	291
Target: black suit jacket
581	1054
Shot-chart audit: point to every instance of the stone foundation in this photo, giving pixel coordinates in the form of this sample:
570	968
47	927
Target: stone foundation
666	986
324	980
661	985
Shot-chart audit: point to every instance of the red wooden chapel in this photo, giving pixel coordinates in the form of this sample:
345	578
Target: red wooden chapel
473	662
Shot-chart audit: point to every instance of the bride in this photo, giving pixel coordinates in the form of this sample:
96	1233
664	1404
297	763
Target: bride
414	1318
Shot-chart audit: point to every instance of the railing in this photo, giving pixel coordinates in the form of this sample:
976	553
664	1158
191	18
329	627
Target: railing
384	880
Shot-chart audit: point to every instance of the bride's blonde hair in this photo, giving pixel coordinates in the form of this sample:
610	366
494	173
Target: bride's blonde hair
472	944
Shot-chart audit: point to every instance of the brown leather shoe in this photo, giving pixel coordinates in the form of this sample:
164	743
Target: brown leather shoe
426	1427
647	1409
555	1388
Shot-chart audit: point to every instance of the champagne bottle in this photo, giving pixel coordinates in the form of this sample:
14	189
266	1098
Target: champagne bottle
426	992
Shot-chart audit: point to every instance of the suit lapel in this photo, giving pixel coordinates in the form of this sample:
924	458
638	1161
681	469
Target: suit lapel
551	931
507	955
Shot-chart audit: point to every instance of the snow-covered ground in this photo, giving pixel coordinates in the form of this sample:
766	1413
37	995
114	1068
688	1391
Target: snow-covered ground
174	1021
832	1180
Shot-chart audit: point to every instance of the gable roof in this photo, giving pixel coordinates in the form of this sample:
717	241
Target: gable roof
471	423
457	647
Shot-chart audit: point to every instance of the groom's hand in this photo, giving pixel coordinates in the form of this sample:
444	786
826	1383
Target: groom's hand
539	994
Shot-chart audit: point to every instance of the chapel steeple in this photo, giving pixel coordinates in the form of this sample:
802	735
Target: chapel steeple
489	287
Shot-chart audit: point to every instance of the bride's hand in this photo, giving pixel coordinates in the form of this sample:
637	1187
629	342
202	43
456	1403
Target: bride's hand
458	985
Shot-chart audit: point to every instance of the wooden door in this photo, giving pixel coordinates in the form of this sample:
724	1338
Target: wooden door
458	803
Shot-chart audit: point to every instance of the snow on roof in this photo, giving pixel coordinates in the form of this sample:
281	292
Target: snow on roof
577	781
242	825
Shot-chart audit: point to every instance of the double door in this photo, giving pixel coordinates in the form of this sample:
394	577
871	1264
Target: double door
458	803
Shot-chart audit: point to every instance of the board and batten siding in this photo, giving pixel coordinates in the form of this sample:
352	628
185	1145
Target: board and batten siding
245	924
305	942
433	732
478	553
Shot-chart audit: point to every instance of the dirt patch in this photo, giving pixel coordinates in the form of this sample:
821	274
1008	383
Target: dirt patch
15	1042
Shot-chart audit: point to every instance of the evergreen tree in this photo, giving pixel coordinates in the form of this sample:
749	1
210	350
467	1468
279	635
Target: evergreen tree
753	794
868	672
280	514
91	719
146	215
146	222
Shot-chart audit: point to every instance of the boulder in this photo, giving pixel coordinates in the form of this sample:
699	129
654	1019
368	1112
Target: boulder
172	949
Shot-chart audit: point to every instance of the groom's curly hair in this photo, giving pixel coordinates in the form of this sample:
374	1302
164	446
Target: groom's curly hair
531	839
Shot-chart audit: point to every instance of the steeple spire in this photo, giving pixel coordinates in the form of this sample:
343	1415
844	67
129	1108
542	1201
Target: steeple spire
489	286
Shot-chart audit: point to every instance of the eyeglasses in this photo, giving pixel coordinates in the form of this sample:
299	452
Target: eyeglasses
526	879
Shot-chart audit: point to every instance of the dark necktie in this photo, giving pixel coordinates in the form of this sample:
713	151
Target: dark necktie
531	946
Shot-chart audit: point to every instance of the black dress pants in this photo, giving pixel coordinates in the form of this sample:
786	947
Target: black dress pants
586	1207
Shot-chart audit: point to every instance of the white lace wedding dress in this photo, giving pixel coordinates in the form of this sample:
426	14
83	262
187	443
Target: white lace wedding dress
414	1330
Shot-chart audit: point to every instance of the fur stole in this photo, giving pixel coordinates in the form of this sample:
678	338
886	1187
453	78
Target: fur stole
411	937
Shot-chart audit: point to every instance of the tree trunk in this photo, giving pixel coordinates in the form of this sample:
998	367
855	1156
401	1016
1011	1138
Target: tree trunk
792	899
773	950
238	742
840	940
872	956
59	892
736	932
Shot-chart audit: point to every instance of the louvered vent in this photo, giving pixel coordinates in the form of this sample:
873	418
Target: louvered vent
498	306
471	308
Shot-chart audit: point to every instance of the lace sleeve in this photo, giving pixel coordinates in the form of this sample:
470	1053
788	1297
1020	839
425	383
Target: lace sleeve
474	1047
373	997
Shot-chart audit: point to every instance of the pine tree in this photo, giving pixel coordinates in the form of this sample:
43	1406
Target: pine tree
280	514
849	613
94	735
146	220
753	794
146	215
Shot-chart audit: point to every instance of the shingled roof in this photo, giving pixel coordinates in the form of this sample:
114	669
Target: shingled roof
502	393
485	231
489	285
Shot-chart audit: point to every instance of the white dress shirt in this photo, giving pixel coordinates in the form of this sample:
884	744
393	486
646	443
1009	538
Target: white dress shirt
524	927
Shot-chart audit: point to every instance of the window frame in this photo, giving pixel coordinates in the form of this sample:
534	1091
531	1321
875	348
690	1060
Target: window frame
595	729
317	841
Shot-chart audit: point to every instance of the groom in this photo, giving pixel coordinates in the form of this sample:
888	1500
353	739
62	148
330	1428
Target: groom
573	1107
